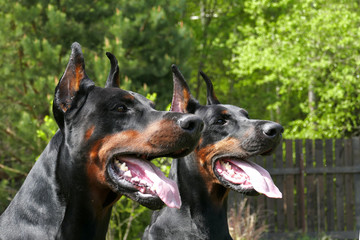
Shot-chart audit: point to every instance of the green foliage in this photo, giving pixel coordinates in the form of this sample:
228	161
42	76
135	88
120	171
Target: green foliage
35	39
291	61
128	220
47	130
310	48
211	24
149	38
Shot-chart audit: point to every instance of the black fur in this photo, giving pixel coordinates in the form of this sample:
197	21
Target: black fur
69	192
228	132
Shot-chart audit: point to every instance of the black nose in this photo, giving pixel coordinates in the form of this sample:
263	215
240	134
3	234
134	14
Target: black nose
191	123
272	129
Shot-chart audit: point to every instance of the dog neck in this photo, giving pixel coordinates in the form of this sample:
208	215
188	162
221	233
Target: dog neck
88	209
71	211
195	186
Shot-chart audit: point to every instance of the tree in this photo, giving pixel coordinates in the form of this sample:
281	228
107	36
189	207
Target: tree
148	37
302	56
35	43
35	39
212	23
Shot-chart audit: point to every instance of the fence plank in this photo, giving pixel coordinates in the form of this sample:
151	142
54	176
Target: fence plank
279	180
301	184
310	189
260	205
332	203
339	156
356	159
289	188
270	202
349	202
260	201
314	235
320	191
330	216
315	170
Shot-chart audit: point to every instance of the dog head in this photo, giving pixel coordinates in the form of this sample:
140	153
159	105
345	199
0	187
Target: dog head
113	134
229	139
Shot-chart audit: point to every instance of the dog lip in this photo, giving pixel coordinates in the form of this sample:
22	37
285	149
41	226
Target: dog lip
222	157
124	183
113	171
249	189
142	176
226	156
247	175
119	183
123	186
149	156
142	156
219	157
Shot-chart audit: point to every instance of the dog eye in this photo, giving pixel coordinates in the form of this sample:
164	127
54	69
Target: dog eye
121	108
220	121
246	114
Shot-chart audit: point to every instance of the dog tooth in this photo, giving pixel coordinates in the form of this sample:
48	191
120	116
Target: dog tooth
231	172
123	167
220	170
143	182
153	188
143	190
128	174
228	166
135	179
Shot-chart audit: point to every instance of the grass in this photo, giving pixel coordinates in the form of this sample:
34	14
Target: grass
244	224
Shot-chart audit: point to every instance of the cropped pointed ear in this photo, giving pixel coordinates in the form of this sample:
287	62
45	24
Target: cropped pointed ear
73	85
182	100
211	97
113	79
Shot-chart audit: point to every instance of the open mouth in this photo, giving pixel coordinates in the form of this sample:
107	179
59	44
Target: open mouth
137	175
245	176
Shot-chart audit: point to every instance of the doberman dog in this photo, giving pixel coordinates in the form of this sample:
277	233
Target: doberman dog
219	163
102	151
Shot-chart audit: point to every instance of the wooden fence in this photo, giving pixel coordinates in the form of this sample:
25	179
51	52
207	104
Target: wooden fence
320	182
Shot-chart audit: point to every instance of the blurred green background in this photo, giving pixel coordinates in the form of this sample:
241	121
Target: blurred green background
291	61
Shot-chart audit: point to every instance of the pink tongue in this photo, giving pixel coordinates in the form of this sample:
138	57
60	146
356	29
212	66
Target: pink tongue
259	177
165	188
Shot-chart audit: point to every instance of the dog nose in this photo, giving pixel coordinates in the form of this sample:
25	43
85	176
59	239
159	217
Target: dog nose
191	123
272	129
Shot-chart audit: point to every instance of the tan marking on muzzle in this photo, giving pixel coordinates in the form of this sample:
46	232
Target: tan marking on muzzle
159	138
228	146
89	133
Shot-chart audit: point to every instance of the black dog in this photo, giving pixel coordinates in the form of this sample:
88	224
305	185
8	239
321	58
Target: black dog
107	137
220	162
